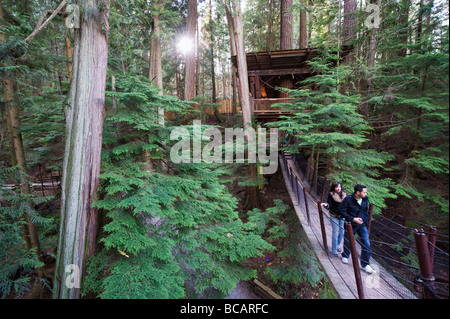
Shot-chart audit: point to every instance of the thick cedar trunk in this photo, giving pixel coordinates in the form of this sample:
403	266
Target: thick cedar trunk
286	40
155	73
189	78
286	30
234	16
84	125
303	38
349	23
238	42
233	53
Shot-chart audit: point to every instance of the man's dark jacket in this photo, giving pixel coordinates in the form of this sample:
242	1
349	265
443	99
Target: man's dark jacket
350	209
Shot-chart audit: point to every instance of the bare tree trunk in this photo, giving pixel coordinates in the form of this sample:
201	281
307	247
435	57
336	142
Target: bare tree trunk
233	53
403	22
270	37
238	41
69	55
155	73
189	78
84	126
286	40
235	25
303	39
349	21
286	30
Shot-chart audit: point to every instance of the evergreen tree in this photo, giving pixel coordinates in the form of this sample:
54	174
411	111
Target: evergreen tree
327	122
173	230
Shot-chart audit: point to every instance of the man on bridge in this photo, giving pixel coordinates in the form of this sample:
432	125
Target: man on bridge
355	209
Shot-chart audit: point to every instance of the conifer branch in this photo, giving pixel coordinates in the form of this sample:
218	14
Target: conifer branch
42	23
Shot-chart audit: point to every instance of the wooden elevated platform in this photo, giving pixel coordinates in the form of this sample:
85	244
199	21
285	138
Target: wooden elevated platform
381	285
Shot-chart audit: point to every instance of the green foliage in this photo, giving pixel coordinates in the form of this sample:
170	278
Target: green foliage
173	230
328	120
296	261
18	265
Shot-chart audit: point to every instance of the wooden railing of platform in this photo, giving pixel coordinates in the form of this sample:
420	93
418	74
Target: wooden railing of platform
266	105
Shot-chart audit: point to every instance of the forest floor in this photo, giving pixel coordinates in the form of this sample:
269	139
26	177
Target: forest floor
275	188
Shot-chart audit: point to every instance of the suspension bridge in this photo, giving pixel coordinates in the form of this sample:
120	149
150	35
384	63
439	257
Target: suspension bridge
398	264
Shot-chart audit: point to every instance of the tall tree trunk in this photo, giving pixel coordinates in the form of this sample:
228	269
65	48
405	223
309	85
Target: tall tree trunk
349	23
286	40
155	73
233	53
349	26
213	66
269	38
286	30
190	68
235	25
238	41
403	23
303	38
84	126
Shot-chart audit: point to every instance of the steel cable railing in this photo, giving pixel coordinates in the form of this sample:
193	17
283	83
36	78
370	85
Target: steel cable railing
392	244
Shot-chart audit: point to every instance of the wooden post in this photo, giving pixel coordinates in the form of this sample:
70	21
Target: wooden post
351	239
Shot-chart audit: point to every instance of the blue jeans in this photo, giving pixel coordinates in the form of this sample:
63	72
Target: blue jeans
337	234
363	233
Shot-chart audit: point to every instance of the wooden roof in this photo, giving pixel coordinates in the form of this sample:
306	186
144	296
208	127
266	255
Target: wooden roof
281	62
277	60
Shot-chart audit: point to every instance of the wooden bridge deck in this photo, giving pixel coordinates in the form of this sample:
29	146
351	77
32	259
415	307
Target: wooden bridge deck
381	285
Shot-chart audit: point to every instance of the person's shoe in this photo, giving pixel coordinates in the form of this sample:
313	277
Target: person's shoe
369	269
345	260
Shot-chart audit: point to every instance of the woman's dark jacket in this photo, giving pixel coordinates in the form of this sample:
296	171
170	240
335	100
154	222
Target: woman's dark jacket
333	204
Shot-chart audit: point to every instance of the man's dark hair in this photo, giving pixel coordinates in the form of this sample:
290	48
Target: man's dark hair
359	188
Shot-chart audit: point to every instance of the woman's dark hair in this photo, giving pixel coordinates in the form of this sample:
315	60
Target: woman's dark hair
333	186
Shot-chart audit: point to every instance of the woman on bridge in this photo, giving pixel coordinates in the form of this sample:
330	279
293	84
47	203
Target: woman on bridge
334	200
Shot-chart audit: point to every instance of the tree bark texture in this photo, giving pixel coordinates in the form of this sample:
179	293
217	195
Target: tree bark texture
84	126
243	88
155	73
303	38
349	23
286	39
189	79
286	30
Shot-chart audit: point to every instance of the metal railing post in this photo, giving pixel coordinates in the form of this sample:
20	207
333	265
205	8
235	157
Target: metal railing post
351	239
306	206
322	227
425	265
432	244
370	217
323	189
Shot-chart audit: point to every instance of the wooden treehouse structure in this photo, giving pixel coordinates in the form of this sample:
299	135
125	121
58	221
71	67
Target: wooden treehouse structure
269	71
